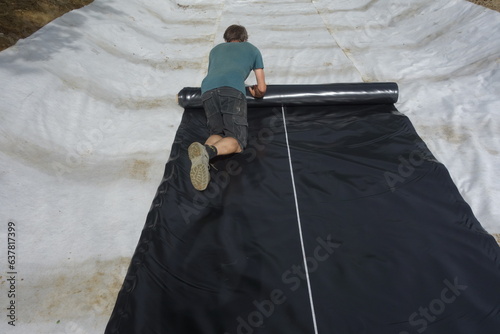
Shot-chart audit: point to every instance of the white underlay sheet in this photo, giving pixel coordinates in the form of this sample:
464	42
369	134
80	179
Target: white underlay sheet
88	114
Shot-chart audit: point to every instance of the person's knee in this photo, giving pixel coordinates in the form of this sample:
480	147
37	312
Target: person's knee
213	139
234	146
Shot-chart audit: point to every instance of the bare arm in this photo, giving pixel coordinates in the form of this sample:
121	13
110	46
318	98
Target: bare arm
259	90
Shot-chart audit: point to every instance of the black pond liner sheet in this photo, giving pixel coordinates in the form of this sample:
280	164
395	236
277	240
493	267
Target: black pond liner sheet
335	219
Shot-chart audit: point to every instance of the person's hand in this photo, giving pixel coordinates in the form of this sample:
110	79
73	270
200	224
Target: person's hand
254	90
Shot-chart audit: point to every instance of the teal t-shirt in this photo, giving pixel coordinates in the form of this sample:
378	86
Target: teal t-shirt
230	64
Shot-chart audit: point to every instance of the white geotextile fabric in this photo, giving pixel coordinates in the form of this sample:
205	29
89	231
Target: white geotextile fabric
88	114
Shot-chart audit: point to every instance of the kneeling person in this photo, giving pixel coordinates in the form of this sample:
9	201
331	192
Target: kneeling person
224	101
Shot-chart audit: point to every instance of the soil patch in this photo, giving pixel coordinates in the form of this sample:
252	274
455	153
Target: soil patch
21	18
491	4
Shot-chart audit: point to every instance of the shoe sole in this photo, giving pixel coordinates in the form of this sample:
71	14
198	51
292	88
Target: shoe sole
199	174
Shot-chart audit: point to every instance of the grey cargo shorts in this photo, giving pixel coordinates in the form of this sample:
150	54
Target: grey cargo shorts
226	111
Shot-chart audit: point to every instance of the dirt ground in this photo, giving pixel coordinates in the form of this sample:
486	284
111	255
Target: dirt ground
21	18
492	4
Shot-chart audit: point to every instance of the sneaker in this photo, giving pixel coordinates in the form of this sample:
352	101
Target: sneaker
200	176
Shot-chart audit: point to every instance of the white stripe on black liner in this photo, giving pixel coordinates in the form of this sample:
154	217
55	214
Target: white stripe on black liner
300	226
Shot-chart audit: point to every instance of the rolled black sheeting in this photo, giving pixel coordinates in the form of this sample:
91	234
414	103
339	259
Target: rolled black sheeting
318	94
390	244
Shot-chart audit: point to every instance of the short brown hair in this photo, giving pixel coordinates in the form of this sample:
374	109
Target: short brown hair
235	33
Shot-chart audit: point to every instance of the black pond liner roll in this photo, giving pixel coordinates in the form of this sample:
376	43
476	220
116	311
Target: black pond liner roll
335	219
319	94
